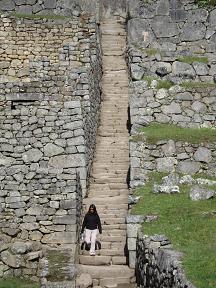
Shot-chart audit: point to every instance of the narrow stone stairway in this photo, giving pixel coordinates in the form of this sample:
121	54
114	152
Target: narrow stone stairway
108	189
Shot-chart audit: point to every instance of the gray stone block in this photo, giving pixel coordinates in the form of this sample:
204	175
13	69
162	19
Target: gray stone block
7	5
49	4
188	167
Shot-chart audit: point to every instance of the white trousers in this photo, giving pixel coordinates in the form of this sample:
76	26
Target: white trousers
90	237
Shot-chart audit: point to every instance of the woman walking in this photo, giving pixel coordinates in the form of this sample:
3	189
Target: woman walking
92	224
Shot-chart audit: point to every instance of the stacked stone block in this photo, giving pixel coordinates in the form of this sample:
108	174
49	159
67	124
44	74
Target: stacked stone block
162	37
158	265
47	7
49	119
171	57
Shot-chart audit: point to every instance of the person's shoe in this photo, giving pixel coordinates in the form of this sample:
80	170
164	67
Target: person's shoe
92	254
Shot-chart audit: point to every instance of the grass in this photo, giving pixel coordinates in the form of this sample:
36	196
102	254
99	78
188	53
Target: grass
166	84
191	59
204	3
156	132
195	85
151	51
160	83
190	226
46	16
17	283
58	261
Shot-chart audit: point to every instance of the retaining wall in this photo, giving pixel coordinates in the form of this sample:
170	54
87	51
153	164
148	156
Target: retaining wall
50	102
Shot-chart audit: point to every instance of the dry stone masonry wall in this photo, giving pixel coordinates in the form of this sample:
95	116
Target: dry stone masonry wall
158	265
162	37
50	100
46	7
171	57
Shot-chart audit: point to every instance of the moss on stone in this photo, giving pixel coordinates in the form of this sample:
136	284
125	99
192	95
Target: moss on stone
191	59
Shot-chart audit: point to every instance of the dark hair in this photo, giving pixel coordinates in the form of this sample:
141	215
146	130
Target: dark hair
94	208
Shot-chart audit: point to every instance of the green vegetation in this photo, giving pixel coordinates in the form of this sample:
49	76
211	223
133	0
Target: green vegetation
164	84
33	16
191	59
204	3
190	226
195	85
160	83
156	132
17	283
151	51
58	261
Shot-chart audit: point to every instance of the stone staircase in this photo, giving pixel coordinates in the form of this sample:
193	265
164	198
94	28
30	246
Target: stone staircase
108	189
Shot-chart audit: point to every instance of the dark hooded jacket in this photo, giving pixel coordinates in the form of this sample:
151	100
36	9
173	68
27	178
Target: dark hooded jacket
91	222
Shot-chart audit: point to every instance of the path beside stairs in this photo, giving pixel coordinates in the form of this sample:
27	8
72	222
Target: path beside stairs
108	189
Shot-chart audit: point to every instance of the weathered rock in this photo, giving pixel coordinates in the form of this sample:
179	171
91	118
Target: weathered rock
137	72
11	260
84	281
49	4
166	164
67	161
200	193
183	69
173	108
7	5
169	148
59	238
19	248
32	155
52	150
164	27
139	31
188	167
203	155
193	32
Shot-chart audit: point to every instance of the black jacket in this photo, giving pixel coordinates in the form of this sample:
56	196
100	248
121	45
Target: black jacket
91	222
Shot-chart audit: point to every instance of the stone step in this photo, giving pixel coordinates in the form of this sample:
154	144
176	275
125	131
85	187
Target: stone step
109	180
107	200
114	220
112	252
118	260
112	271
107	252
115	226
93	193
107	52
114	206
94	260
113	232
114	283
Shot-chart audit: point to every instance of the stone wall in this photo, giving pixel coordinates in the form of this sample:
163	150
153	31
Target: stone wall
185	107
158	265
171	56
171	59
45	7
170	156
172	41
50	100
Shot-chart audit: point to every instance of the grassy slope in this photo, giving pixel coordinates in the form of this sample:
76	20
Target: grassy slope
189	227
156	132
17	283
